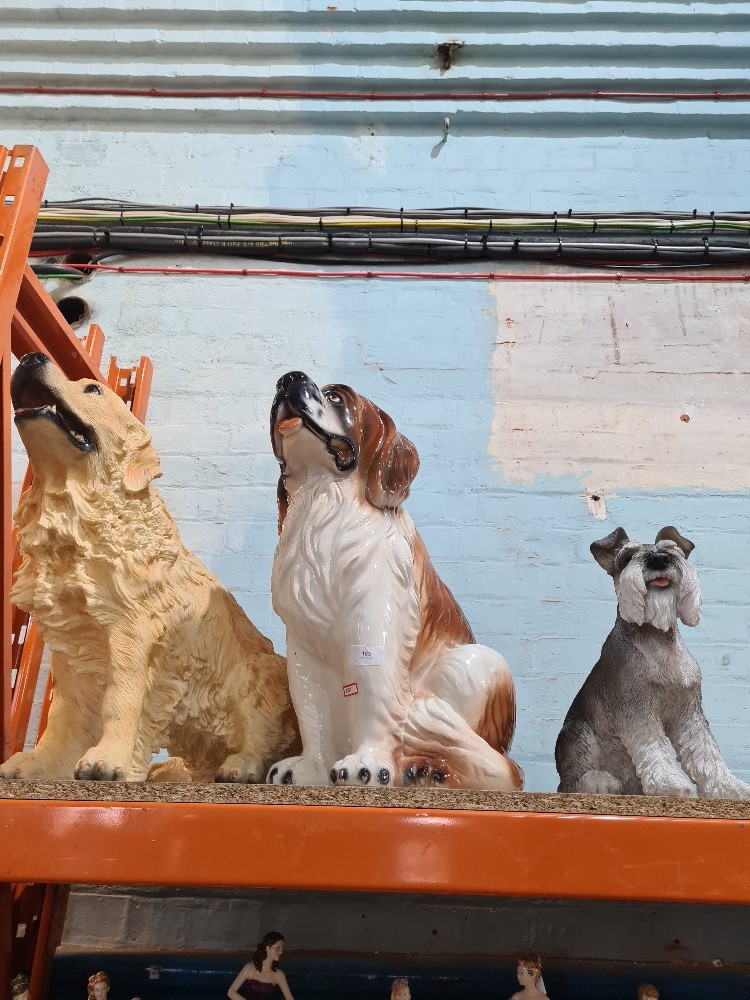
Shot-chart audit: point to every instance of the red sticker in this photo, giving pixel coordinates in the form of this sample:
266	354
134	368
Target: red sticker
350	689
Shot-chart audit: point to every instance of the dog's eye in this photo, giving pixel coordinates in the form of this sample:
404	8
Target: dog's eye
624	557
334	398
94	387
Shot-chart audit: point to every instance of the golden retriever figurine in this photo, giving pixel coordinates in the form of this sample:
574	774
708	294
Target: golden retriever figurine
149	650
386	680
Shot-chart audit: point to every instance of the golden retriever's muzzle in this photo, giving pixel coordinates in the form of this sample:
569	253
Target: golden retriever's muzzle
34	398
298	396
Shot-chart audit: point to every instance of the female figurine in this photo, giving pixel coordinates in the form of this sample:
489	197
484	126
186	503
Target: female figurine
98	986
258	978
529	975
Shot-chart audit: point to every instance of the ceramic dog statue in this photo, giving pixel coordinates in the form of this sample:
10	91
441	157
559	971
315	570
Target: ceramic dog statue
148	649
386	679
641	704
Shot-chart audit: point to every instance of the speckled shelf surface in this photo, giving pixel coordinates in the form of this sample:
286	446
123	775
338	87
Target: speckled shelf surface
390	798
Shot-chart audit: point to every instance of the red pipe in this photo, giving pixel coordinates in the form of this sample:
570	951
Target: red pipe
428	275
369	95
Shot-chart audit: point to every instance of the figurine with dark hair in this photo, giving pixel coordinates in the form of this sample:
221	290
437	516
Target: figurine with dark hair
529	975
98	986
261	975
647	992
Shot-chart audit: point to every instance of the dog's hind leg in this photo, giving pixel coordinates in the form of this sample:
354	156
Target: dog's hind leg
173	769
579	758
440	748
246	768
260	736
594	783
477	683
459	726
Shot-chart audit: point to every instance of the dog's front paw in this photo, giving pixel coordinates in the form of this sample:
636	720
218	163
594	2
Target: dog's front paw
364	769
676	784
241	768
27	765
304	770
98	765
726	788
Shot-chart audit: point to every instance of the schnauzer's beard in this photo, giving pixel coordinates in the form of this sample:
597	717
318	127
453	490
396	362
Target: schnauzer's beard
659	606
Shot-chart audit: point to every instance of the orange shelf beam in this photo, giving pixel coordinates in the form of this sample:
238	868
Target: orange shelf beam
379	850
42	316
23	174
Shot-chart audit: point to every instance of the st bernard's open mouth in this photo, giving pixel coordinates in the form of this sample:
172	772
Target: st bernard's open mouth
289	426
37	401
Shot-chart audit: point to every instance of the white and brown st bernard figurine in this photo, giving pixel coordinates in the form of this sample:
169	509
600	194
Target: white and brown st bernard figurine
386	679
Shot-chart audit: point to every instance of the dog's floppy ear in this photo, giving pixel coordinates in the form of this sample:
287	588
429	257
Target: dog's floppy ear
388	460
282	501
141	462
605	550
671	534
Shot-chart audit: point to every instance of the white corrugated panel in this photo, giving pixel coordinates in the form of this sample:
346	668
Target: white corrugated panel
378	46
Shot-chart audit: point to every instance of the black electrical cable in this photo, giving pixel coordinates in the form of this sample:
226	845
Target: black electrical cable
57	271
455	246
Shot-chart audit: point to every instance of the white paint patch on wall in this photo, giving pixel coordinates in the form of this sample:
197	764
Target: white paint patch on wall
622	385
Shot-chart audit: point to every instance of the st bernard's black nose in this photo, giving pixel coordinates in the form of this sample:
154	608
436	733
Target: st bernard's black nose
34	360
289	379
657	560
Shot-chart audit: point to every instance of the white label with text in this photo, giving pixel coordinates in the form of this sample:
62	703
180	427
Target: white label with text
366	656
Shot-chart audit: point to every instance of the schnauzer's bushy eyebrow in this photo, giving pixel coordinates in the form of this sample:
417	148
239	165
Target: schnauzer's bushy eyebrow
631	547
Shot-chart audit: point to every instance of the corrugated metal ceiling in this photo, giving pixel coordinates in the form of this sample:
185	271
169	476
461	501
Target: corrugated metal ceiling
376	46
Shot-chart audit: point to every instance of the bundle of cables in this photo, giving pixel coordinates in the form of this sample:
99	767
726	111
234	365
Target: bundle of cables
103	228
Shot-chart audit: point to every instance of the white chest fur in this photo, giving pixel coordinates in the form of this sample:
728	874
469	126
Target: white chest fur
336	556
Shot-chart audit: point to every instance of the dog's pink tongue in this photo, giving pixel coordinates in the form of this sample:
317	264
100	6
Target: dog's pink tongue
289	426
660	581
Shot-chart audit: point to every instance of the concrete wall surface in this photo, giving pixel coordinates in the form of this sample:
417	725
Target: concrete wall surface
230	922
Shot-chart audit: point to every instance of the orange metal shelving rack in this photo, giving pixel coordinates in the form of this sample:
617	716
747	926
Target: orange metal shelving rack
144	841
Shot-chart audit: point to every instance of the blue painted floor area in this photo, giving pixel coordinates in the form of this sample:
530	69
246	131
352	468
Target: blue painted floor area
189	976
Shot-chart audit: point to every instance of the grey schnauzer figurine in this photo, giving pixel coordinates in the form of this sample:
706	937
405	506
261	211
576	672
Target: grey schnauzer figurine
641	704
